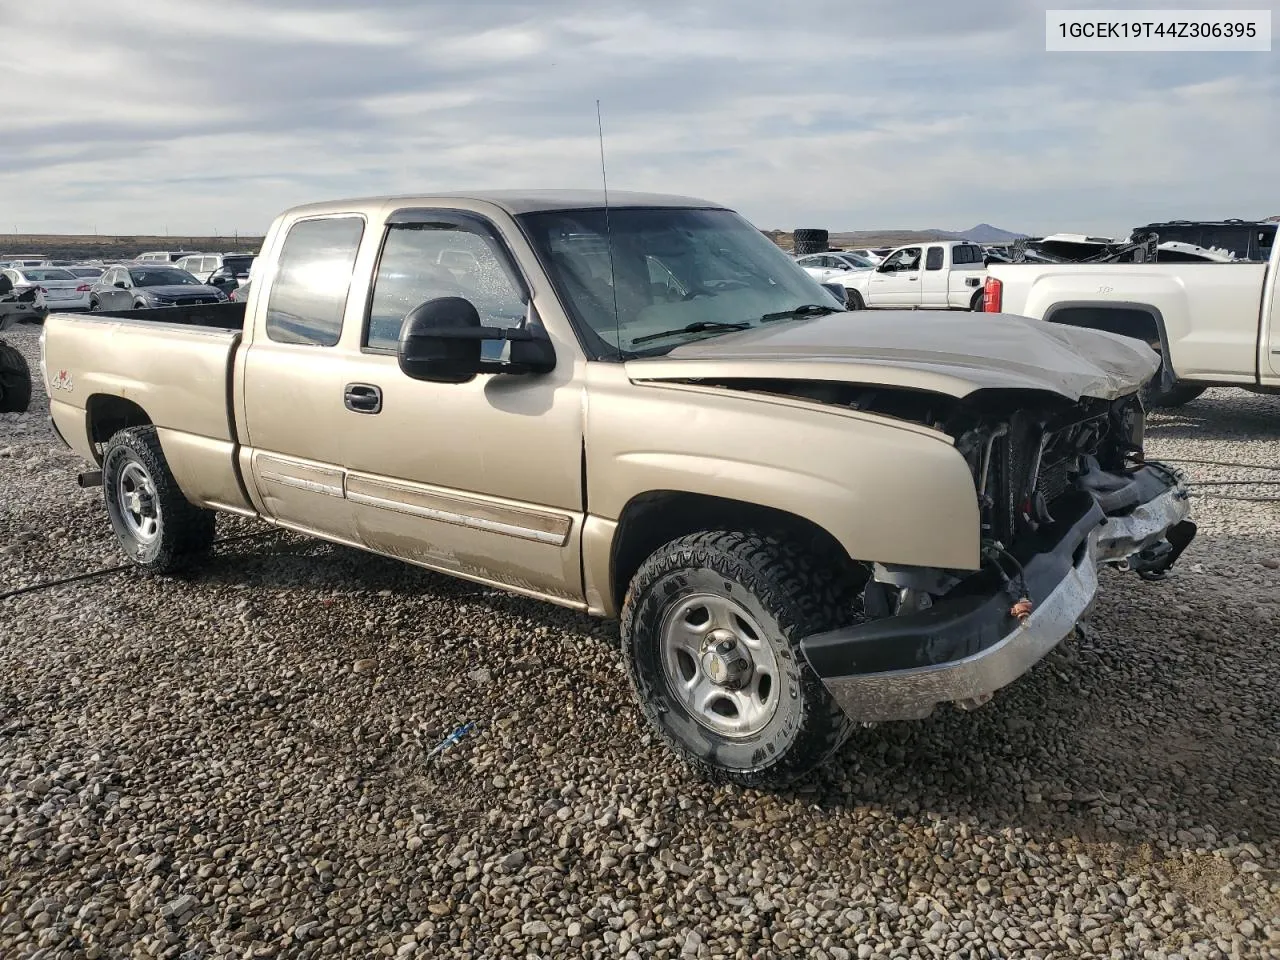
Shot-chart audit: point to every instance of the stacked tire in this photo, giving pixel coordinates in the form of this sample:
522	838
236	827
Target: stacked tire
15	380
811	241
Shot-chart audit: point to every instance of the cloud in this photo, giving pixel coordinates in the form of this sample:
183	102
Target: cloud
831	113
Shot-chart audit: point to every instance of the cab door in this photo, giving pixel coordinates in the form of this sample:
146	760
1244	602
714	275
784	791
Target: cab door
116	292
896	282
1269	341
481	479
295	380
934	278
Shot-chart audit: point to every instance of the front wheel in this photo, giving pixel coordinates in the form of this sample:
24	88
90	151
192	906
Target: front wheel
853	300
711	632
157	527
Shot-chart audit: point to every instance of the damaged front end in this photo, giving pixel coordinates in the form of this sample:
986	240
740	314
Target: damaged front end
1063	489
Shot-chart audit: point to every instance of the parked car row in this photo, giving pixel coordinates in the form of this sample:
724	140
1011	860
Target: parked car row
155	278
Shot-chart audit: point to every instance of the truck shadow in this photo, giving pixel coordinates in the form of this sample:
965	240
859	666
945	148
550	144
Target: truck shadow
1220	414
1135	733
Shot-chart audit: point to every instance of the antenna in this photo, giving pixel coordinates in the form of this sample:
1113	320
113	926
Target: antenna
608	231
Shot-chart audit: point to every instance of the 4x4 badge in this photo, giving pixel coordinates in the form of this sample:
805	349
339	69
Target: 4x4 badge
63	381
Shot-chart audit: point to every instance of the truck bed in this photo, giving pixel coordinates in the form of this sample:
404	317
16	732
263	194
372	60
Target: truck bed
164	361
219	316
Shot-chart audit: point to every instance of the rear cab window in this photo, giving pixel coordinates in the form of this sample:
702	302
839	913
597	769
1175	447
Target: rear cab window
933	259
313	279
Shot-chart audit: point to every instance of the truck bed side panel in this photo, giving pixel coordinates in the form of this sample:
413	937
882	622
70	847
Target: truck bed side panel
1209	310
178	376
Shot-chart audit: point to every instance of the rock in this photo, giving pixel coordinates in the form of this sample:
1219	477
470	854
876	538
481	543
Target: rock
181	907
363	665
535	928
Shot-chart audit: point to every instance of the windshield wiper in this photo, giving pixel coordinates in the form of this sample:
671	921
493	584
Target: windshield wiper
805	310
698	327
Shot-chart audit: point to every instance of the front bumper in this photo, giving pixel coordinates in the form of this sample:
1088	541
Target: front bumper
969	644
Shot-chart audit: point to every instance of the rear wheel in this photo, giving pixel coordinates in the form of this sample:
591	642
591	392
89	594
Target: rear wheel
15	380
1156	394
711	632
975	302
158	528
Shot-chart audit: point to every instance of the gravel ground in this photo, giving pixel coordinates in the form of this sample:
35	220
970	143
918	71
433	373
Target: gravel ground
239	764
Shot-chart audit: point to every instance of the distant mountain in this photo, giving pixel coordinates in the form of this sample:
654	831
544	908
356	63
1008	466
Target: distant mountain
986	233
855	239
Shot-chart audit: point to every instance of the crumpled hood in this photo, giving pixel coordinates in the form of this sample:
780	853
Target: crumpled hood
952	353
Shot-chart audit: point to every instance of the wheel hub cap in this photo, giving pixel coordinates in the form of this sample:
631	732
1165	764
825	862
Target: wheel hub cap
136	495
726	661
720	665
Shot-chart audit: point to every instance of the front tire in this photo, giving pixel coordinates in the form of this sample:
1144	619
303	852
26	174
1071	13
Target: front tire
157	527
853	301
15	380
711	632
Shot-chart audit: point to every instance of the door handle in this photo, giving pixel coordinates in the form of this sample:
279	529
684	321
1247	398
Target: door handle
913	278
363	397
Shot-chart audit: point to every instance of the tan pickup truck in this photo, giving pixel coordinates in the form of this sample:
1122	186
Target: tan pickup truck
804	518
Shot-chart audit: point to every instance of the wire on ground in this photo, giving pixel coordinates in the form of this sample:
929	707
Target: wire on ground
107	571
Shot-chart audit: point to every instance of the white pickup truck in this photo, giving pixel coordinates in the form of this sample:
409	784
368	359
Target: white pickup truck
1213	324
938	275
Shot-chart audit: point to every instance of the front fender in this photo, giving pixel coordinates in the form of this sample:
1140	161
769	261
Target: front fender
887	491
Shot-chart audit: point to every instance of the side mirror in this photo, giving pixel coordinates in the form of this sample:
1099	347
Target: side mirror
121	284
440	342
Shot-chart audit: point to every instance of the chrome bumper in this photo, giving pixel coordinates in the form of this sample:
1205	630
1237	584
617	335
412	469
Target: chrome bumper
914	693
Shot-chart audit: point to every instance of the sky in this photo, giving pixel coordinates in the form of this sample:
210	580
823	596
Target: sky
150	116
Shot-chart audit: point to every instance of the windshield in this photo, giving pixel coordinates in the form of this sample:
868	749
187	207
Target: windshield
161	277
671	269
85	271
39	276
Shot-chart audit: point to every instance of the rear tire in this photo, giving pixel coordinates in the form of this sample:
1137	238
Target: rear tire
769	719
1156	394
975	302
157	527
1180	394
15	381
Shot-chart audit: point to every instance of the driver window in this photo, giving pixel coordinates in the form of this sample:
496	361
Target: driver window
423	261
905	259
